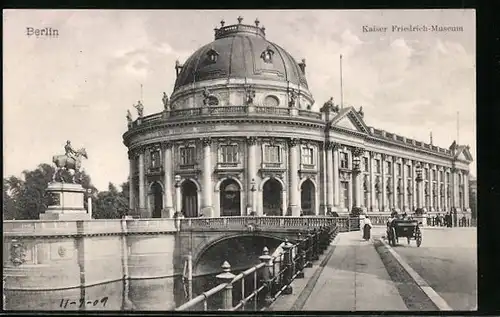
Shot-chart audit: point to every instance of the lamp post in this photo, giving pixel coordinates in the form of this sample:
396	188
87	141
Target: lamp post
89	202
420	191
356	210
178	198
252	199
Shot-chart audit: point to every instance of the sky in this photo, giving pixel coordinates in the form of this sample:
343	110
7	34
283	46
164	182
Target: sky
79	85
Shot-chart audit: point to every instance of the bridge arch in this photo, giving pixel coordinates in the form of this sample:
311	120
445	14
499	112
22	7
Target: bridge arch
243	251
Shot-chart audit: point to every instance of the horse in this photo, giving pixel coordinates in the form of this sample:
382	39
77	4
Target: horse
69	163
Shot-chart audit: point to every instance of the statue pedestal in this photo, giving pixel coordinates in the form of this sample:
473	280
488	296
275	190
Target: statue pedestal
65	202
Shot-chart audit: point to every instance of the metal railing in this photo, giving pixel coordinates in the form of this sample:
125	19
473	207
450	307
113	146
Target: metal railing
262	284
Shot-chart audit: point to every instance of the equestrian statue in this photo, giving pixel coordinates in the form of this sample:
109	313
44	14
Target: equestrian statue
71	160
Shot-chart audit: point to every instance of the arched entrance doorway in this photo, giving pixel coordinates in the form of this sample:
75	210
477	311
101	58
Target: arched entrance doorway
272	196
307	198
189	199
157	192
230	203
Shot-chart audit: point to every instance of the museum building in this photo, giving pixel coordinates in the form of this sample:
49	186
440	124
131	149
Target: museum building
239	136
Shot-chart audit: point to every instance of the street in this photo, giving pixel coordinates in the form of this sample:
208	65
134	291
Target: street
447	261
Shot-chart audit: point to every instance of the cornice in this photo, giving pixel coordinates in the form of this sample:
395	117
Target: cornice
287	121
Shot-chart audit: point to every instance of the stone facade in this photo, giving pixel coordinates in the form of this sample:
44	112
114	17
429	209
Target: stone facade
246	143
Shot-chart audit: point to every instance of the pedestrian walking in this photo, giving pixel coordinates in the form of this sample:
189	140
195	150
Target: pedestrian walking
367	227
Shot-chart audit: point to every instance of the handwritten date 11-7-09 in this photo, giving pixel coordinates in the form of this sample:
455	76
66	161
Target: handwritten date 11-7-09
66	303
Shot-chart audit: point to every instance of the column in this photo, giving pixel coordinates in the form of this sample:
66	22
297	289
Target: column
371	160
454	188
207	191
395	184
131	186
445	174
142	184
438	188
323	183
466	190
251	173
356	155
404	177
336	178
384	183
178	196
414	183
167	181
293	146
431	188
351	186
329	175
420	190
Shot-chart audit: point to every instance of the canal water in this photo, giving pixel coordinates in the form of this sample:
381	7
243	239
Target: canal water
145	294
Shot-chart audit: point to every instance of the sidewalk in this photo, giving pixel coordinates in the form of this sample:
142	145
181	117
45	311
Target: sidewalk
353	279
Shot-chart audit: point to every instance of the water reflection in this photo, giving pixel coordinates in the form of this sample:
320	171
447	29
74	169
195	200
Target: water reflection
145	294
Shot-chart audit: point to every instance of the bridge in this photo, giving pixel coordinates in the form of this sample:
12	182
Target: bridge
48	255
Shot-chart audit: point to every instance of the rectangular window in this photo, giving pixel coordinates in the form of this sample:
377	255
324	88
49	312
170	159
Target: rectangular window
344	161
441	176
377	166
229	153
155	159
366	164
307	156
388	168
272	154
434	175
408	171
398	169
188	156
426	173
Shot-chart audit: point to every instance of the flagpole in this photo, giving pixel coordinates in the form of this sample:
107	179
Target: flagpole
141	94
341	88
458	127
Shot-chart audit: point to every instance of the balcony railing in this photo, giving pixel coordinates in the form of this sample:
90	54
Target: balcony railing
227	111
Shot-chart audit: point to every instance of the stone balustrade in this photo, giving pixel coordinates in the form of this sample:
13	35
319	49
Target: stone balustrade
255	223
226	111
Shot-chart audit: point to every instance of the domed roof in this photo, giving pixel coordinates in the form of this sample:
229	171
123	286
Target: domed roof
241	51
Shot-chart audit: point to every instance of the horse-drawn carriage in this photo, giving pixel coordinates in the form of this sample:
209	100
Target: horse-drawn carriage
404	228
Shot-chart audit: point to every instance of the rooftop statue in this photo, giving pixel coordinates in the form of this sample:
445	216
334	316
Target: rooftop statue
70	160
129	116
330	106
166	103
140	109
206	96
250	96
293	99
360	112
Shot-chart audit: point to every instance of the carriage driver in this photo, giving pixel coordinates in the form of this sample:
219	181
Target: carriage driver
70	152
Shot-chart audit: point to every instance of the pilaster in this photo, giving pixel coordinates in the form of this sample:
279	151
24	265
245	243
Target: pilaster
167	180
142	183
330	174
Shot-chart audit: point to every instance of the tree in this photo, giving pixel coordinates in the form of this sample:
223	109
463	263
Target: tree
110	204
26	199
